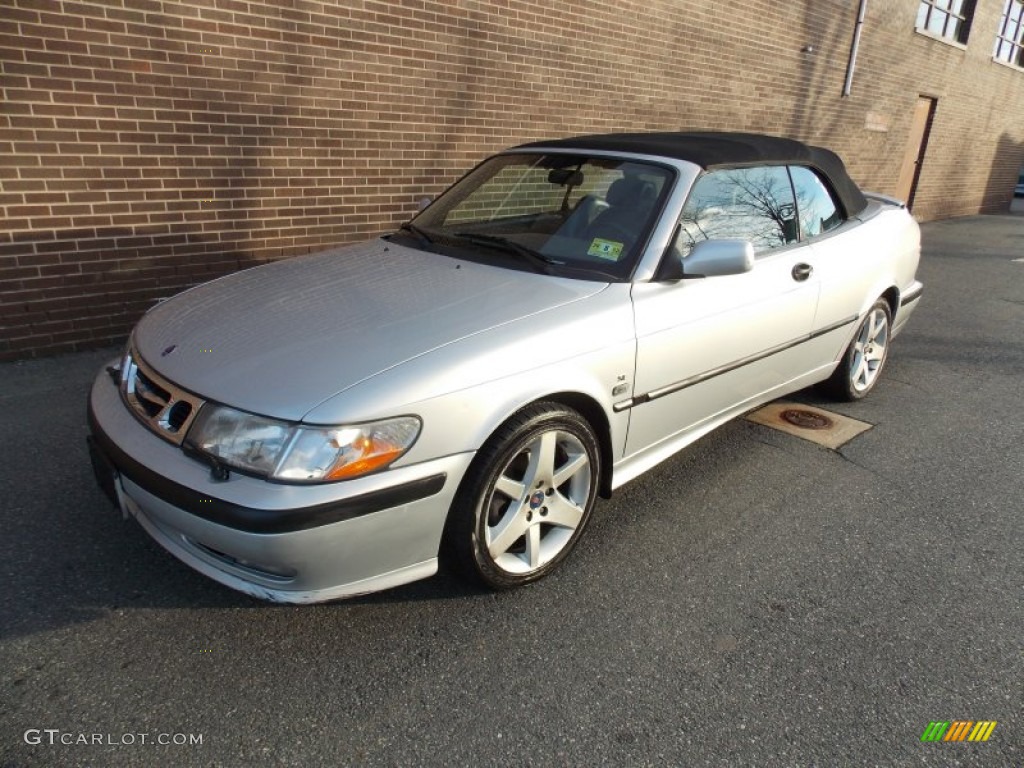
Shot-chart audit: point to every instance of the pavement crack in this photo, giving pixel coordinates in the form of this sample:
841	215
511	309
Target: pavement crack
873	472
773	445
912	385
769	443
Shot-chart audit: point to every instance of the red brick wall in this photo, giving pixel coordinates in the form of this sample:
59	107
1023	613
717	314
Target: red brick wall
146	146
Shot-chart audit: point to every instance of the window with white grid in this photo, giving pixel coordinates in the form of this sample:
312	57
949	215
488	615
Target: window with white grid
1010	37
948	19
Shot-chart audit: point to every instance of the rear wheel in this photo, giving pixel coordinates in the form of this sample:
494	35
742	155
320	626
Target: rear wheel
526	498
864	359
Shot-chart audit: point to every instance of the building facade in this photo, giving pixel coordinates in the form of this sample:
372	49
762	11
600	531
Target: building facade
148	145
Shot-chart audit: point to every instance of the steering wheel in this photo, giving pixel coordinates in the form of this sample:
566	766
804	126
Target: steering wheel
586	208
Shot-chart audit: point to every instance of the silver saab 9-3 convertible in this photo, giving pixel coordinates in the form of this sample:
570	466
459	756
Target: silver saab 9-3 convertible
566	316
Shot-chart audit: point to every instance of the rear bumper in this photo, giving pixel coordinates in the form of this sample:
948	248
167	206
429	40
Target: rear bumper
908	303
284	543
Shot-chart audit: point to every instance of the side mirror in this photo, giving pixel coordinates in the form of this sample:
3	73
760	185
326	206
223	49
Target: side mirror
716	258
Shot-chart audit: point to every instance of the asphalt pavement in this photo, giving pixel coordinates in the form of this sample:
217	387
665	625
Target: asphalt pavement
755	601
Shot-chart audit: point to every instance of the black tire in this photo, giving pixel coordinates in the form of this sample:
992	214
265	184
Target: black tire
865	357
480	535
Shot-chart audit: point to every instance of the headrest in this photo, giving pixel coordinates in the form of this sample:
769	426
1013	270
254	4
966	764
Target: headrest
630	191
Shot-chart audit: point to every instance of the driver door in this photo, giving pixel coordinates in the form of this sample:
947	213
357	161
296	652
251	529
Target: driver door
707	345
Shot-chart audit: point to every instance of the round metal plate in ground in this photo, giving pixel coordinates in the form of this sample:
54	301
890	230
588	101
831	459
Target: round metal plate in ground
806	419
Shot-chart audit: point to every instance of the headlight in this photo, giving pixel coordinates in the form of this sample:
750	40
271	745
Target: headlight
339	453
298	453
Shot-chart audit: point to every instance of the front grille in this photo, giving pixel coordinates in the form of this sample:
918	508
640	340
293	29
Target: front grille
164	408
179	414
151	396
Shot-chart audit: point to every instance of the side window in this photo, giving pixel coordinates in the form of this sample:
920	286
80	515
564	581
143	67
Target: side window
818	209
754	204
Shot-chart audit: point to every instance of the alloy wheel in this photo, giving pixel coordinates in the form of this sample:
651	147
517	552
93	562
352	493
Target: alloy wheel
537	502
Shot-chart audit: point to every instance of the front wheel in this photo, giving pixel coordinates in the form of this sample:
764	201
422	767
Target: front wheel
526	498
864	359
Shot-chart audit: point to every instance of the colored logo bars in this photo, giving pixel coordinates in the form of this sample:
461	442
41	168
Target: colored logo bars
959	730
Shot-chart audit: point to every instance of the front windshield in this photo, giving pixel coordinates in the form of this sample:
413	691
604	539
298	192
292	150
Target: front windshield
564	214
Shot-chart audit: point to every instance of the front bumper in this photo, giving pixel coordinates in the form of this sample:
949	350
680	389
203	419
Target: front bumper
284	543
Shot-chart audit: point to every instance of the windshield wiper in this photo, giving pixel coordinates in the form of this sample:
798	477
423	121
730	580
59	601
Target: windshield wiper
420	235
537	260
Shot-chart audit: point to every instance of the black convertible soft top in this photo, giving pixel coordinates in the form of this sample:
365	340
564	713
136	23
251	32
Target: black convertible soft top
711	150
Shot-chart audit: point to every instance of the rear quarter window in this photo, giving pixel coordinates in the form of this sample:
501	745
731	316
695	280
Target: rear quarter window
817	206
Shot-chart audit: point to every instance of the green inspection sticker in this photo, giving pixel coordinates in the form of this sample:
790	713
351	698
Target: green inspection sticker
605	249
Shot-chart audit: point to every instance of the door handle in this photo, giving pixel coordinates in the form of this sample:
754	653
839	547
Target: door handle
802	271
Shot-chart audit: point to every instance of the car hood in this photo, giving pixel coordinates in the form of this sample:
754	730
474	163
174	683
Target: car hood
281	338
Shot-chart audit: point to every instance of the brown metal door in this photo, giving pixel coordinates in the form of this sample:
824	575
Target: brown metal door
916	146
